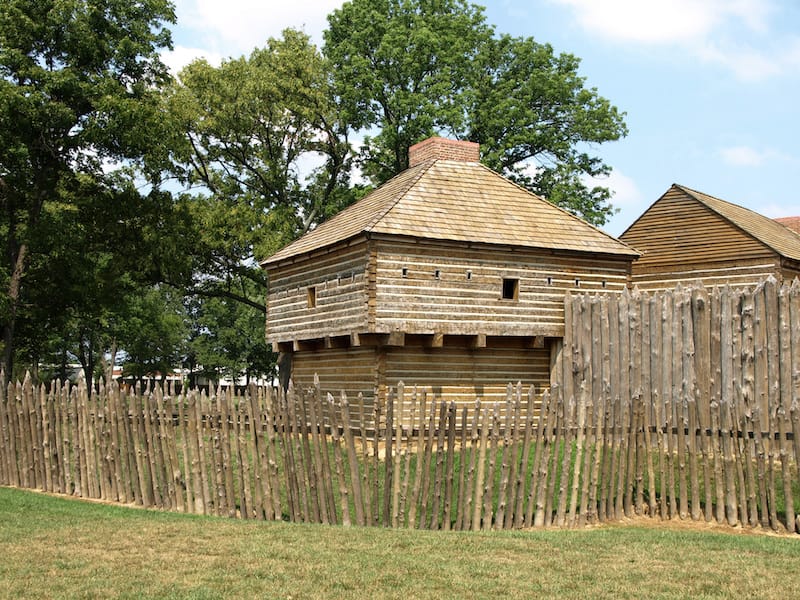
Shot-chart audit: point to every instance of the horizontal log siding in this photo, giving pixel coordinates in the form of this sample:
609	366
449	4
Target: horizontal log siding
739	275
682	240
453	304
352	370
461	375
789	274
341	296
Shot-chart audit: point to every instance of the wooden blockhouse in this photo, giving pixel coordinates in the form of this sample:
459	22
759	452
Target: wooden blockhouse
448	277
687	236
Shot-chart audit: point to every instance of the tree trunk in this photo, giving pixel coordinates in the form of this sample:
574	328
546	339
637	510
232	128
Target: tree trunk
9	326
86	356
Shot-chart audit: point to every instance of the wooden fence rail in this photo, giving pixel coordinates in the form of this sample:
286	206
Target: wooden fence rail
677	405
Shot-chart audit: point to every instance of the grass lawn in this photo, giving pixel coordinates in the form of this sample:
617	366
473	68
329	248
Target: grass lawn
59	548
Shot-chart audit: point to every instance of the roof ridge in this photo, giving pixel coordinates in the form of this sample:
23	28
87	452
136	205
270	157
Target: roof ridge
698	195
694	193
556	206
423	168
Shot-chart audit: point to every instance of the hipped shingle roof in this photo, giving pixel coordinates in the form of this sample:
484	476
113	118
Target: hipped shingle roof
463	202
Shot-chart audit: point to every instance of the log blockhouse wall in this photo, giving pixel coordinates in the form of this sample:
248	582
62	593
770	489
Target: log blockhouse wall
458	375
339	279
426	288
388	285
393	305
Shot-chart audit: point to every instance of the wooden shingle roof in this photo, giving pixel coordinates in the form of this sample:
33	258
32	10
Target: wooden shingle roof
458	201
772	234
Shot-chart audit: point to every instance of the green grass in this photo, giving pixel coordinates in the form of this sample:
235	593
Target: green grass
63	548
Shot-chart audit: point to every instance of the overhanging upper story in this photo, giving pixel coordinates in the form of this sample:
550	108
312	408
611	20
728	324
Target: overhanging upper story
447	249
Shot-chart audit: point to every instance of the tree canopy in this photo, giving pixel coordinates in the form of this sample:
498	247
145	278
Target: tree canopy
79	82
410	68
266	152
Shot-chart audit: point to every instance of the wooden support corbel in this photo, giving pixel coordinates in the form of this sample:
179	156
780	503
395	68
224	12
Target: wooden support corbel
396	338
479	341
536	341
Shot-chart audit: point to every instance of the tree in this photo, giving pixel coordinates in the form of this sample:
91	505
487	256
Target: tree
152	332
267	157
412	68
228	340
94	253
78	94
400	67
263	153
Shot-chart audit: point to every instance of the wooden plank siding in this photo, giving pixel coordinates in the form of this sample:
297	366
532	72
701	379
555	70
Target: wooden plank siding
452	374
462	375
340	284
740	275
454	289
682	240
352	370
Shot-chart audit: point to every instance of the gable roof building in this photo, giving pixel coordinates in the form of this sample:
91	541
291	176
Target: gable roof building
686	236
448	275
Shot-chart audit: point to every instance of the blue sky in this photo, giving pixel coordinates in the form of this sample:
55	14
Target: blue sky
711	88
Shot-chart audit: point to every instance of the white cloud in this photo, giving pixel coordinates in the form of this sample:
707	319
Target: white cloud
634	20
750	64
660	21
776	211
791	56
742	156
745	156
241	25
181	56
734	34
626	192
627	198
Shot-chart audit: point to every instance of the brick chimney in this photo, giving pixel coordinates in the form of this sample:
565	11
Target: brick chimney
443	149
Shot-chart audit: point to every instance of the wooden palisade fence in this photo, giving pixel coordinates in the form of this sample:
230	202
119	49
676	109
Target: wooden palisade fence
687	401
675	405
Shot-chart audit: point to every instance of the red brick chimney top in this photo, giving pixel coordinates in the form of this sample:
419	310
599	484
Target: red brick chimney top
443	149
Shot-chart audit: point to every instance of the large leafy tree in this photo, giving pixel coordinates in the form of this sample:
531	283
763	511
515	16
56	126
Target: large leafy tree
406	69
152	332
94	256
228	340
264	157
79	86
265	152
401	69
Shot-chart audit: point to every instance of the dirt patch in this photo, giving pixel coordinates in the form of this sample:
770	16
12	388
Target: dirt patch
690	525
